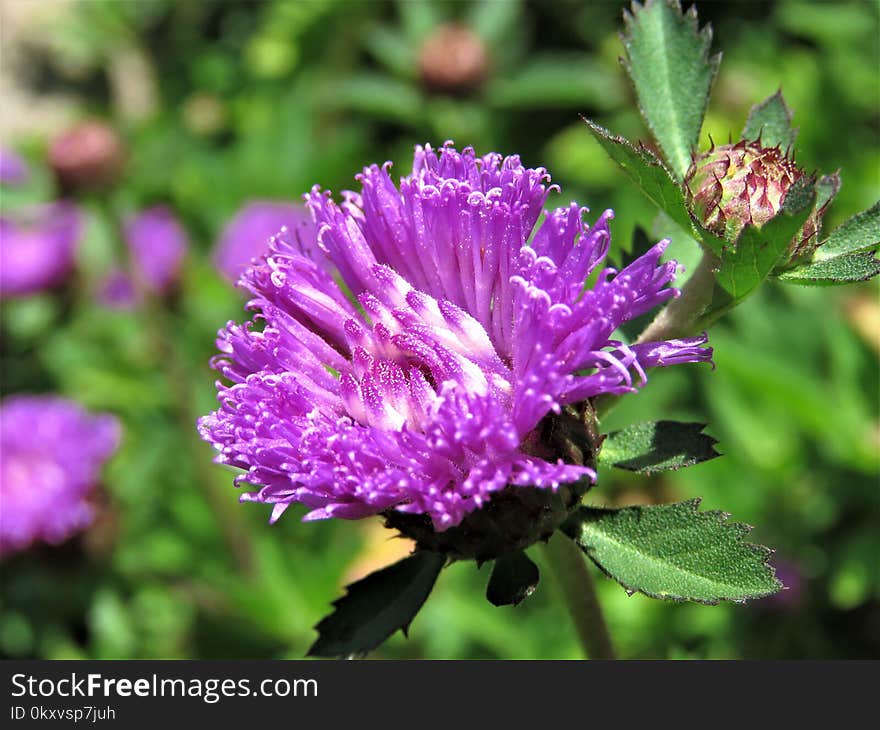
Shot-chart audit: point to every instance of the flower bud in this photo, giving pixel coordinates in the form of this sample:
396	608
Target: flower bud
88	156
735	185
453	59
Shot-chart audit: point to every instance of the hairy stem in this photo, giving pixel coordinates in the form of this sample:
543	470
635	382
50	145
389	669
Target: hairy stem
683	316
576	582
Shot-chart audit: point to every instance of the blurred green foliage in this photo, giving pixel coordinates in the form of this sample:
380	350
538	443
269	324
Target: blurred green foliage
265	99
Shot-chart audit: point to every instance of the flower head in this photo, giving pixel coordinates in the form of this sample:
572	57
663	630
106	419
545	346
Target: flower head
51	453
158	244
411	352
37	248
735	185
247	235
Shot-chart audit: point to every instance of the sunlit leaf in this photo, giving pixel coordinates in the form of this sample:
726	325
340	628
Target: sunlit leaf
674	551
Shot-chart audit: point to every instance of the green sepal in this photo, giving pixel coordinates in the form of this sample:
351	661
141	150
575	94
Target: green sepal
745	264
770	121
374	607
859	233
674	552
848	255
514	578
827	188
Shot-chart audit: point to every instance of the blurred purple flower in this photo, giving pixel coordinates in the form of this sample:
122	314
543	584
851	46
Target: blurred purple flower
13	168
158	245
118	291
51	454
37	247
423	396
247	235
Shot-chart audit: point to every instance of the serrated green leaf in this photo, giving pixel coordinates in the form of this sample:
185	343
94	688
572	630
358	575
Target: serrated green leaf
514	578
674	551
758	250
844	269
771	121
648	172
859	233
667	58
375	607
657	446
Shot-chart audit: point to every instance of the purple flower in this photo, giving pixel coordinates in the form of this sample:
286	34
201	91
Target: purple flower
13	169
118	291
246	236
51	453
407	353
158	245
37	248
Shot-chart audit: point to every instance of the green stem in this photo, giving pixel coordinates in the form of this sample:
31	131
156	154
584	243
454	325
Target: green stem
160	325
683	316
232	527
576	582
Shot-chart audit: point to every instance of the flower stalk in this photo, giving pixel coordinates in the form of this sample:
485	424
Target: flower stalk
577	587
687	313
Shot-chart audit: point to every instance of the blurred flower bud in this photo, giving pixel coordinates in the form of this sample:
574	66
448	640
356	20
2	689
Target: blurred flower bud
88	156
735	185
453	59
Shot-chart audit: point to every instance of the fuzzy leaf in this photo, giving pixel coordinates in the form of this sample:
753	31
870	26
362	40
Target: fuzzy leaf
657	446
674	551
844	269
648	172
758	250
771	121
375	607
859	233
514	578
667	58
